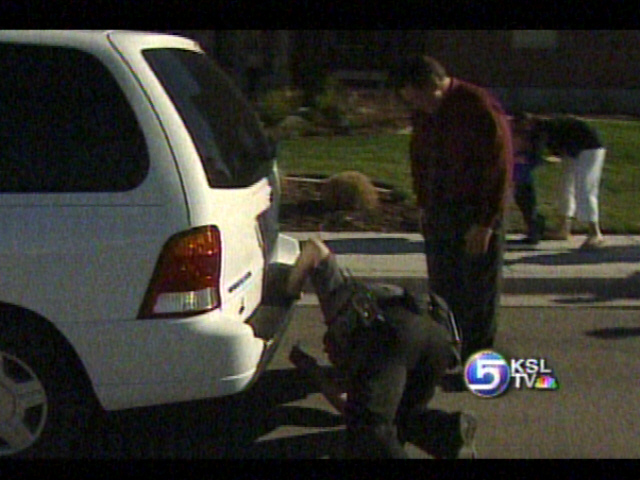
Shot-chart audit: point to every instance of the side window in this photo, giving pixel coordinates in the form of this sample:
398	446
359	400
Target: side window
222	123
65	125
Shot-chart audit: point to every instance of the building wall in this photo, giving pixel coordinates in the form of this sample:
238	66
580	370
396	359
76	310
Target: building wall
238	51
580	71
579	59
573	70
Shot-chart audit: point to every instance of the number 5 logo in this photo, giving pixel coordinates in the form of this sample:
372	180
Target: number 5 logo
487	374
492	368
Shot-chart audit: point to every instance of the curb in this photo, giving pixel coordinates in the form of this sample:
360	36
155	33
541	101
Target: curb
552	274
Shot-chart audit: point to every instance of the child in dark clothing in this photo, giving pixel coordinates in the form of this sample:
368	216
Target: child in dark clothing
527	149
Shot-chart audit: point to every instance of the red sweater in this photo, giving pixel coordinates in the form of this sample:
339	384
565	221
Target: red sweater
461	156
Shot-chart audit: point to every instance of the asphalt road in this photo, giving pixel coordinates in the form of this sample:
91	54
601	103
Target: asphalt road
593	414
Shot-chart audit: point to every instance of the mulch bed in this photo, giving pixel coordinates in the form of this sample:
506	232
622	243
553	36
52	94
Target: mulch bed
302	210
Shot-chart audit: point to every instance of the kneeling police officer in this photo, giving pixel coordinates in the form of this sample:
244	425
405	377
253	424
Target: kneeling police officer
392	350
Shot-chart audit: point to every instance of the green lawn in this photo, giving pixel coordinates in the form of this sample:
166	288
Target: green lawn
385	158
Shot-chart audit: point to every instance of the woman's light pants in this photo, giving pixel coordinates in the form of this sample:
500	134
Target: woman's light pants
581	185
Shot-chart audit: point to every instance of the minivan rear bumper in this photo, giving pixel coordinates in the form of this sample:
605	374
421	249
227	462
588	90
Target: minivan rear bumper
151	362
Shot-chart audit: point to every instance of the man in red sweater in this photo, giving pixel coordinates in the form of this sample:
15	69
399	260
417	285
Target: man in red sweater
461	156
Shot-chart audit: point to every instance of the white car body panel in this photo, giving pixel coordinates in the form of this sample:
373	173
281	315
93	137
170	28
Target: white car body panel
83	261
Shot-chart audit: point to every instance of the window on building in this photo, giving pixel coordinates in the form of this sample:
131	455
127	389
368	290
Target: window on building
538	39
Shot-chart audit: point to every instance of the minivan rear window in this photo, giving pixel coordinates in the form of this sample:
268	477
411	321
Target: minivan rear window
65	124
224	127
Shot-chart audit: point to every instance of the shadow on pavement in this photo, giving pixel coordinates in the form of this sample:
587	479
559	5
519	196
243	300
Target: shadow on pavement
228	427
616	333
612	254
578	291
595	290
325	444
583	290
375	246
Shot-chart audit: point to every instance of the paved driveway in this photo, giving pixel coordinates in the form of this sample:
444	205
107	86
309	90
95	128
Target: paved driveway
593	352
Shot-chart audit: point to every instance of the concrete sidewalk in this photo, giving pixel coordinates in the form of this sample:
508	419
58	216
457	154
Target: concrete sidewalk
552	273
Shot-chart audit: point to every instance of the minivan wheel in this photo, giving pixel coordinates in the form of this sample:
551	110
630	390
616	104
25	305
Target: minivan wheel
44	409
23	405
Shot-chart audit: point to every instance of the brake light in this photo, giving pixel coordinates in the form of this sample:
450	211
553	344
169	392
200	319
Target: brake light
186	280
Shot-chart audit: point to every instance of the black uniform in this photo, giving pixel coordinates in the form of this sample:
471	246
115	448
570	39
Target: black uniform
393	354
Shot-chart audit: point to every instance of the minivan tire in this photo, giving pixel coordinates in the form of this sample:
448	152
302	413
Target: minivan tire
43	394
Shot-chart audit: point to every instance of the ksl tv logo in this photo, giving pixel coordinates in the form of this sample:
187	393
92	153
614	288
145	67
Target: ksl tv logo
488	374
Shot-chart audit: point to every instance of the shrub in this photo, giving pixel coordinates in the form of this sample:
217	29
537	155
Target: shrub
293	127
350	190
277	104
332	103
332	98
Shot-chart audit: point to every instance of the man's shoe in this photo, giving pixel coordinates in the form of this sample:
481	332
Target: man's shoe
532	239
453	380
463	442
535	231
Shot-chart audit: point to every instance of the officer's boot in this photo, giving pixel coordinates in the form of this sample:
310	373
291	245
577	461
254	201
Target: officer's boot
378	440
442	435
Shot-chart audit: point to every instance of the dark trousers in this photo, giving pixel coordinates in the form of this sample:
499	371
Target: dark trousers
393	383
391	376
525	198
470	284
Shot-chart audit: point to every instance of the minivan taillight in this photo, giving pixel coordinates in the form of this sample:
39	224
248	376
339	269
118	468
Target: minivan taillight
186	280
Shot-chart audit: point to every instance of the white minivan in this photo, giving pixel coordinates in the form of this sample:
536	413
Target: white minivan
140	258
